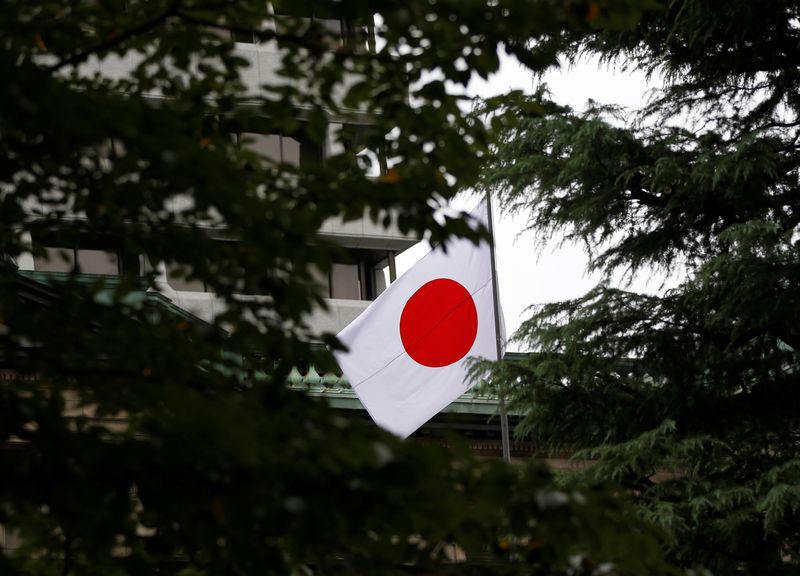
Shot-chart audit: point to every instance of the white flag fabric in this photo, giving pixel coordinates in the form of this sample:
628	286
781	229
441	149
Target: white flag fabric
407	352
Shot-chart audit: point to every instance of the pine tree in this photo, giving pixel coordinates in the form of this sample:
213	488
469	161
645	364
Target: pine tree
687	399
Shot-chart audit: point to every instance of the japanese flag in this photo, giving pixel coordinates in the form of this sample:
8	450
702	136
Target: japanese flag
407	353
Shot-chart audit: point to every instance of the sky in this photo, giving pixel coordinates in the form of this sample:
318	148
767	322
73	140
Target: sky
529	275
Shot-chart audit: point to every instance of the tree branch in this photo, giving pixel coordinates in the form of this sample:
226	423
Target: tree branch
116	40
646	198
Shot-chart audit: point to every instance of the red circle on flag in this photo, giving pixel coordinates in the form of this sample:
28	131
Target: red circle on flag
439	323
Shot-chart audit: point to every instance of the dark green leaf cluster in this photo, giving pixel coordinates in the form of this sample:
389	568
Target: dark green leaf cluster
688	399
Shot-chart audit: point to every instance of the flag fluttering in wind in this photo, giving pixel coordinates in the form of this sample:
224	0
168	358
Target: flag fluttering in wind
408	352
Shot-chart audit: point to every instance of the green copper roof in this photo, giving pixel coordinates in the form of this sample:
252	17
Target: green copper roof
337	391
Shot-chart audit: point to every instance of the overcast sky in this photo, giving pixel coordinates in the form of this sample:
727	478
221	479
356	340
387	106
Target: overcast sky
532	276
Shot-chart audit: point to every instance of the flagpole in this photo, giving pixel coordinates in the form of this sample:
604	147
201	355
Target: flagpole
496	302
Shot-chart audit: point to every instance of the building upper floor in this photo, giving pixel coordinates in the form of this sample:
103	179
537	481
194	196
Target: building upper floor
365	265
319	23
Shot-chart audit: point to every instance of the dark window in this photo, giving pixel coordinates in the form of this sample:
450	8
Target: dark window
292	149
345	282
356	275
54	259
244	37
103	262
297	16
85	256
309	11
321	279
359	275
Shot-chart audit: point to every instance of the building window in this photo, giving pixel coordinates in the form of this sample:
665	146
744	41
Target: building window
98	262
360	275
345	282
86	256
298	16
305	14
290	149
244	37
54	259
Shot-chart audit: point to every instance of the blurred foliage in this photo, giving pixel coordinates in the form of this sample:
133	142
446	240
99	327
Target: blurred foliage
137	439
687	399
